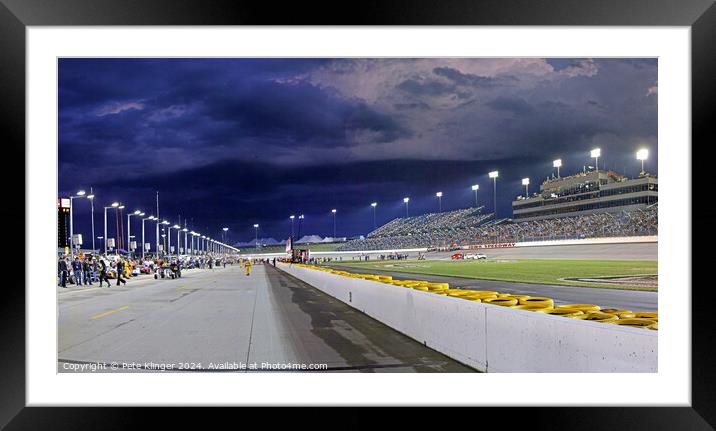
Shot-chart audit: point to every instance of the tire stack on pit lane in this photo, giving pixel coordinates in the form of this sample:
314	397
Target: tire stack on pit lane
537	304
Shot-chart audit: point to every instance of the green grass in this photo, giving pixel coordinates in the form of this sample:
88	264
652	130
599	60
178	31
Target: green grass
540	271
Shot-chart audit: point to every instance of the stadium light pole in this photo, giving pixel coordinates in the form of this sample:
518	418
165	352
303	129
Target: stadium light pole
186	242
526	183
80	194
226	229
475	188
374	204
256	240
557	164
91	198
166	246
494	175
440	201
292	217
334	223
178	228
405	201
642	155
151	217
202	244
300	223
114	205
129	228
595	154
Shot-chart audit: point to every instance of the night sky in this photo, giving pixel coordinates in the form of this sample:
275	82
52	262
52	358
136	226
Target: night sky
233	142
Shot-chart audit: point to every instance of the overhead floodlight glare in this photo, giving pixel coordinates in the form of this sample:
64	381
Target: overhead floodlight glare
406	200
525	181
90	196
256	225
292	217
185	230
333	211
115	204
596	153
141	214
121	207
176	226
493	174
301	217
557	163
165	222
374	204
476	187
137	212
81	193
225	229
439	194
642	154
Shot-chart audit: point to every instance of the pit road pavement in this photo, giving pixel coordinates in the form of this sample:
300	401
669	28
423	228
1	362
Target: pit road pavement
219	319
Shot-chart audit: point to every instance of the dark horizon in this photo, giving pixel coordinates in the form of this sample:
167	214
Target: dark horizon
233	142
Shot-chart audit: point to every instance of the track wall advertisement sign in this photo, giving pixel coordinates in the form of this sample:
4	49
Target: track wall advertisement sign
500	245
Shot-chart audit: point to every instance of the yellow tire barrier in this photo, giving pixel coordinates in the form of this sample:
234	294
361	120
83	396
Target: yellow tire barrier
596	316
654	326
532	307
439	285
385	277
518	297
423	288
585	308
647	315
537	300
564	312
505	302
622	314
487	292
634	322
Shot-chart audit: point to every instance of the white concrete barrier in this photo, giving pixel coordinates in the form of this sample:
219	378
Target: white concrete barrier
491	338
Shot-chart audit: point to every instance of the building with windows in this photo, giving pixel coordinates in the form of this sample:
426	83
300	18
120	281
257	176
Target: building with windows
587	193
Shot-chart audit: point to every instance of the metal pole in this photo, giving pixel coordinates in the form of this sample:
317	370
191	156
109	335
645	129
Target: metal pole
143	239
494	195
178	243
105	230
94	250
475	198
334	226
129	237
72	246
374	225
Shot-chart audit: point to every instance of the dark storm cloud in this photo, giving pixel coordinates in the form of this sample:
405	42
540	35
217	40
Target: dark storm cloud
242	141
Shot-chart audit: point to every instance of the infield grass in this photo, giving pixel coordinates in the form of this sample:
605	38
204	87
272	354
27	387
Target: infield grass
539	271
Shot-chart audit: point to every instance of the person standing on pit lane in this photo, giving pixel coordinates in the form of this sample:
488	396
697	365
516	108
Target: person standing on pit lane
120	271
62	268
103	273
86	271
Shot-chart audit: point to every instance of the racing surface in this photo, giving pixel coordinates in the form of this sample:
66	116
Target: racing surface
209	319
606	298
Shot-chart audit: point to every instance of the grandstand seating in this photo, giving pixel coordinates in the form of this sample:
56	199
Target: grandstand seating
471	226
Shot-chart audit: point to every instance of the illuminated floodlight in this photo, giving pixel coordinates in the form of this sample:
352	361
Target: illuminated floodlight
596	153
81	193
557	163
493	174
525	181
225	229
137	212
406	200
115	204
121	207
642	154
176	226
256	225
476	187
439	194
333	211
141	214
292	217
374	204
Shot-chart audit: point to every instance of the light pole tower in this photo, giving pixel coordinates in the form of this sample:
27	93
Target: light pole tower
129	229
557	164
80	194
526	183
114	205
256	240
475	188
494	175
374	204
440	201
91	198
405	201
292	217
334	223
151	217
642	155
596	153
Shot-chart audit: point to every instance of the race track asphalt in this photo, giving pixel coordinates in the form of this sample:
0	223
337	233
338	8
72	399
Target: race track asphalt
224	317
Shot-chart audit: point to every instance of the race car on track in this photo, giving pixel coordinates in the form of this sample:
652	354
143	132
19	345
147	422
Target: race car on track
457	256
475	256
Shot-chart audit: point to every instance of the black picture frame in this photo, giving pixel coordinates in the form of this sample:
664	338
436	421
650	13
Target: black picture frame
16	15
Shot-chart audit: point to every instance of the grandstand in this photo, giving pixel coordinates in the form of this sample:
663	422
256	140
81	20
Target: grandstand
471	226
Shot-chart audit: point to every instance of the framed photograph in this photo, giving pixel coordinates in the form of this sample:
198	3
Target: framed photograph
240	206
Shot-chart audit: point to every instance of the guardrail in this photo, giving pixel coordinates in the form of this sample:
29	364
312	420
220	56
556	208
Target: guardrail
491	338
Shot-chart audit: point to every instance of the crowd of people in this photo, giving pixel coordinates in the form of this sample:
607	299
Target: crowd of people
85	269
470	226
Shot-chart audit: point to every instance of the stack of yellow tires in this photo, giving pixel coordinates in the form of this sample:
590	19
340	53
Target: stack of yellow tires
538	304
